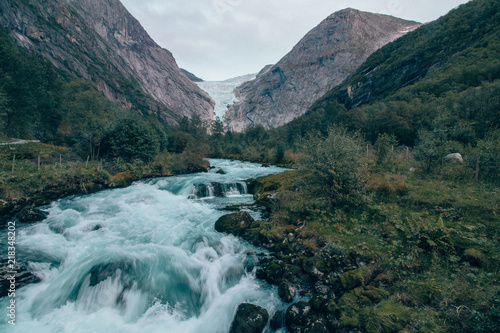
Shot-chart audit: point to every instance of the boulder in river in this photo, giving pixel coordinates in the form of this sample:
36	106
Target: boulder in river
31	214
234	223
249	318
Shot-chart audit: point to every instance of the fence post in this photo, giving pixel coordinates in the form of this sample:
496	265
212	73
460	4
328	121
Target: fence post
477	167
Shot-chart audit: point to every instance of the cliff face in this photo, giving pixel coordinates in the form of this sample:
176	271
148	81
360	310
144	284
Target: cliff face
102	42
326	56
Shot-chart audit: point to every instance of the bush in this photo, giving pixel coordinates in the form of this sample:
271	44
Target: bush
335	165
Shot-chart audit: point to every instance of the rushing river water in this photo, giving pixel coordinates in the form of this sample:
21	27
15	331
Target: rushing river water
145	258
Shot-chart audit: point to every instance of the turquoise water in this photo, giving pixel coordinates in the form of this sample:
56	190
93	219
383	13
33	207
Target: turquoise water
145	258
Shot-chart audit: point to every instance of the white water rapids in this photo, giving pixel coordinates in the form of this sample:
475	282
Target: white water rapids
139	259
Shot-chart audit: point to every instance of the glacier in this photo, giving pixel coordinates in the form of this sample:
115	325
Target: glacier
222	92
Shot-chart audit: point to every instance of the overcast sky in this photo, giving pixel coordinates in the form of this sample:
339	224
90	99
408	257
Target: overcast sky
221	39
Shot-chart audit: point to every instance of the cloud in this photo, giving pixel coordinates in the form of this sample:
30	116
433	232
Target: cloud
220	39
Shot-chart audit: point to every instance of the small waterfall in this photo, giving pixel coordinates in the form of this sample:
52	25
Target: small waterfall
215	189
139	259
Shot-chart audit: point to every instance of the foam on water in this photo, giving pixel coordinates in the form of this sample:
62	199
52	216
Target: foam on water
139	259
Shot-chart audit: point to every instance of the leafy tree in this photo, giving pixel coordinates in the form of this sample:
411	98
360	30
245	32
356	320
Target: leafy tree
132	139
217	127
3	110
279	153
488	153
335	165
383	147
88	117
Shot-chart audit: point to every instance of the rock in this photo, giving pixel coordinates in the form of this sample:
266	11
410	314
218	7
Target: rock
274	273
321	60
318	326
356	278
221	172
286	292
277	321
318	302
454	158
320	288
298	314
249	318
30	214
234	223
473	257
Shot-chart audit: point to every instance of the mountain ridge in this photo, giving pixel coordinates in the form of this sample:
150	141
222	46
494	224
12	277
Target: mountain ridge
102	42
322	59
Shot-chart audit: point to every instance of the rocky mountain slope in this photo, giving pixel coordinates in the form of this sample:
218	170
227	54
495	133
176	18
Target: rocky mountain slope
462	46
320	61
102	42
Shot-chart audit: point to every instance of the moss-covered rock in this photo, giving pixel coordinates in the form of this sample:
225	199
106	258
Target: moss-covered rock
274	273
473	257
30	214
286	292
249	318
298	314
234	223
317	326
356	278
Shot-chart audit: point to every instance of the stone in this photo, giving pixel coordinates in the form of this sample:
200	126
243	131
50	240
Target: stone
298	314
249	318
318	326
30	214
286	292
454	158
277	321
234	223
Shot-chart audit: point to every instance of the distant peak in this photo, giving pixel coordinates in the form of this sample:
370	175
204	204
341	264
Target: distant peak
347	11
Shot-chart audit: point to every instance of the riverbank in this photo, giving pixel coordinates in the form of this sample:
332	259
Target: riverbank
417	254
37	174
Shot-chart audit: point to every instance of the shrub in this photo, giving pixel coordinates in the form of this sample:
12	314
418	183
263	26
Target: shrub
335	165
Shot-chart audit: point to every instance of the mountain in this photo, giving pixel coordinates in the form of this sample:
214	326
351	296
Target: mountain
191	76
102	42
321	60
446	69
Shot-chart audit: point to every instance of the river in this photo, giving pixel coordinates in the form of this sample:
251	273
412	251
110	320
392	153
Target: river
145	258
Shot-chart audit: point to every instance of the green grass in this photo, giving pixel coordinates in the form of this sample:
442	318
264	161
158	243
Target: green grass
438	239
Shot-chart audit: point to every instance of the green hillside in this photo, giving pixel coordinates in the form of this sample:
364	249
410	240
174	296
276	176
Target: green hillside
87	142
447	69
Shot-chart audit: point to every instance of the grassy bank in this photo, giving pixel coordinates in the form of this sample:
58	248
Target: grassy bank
34	174
409	252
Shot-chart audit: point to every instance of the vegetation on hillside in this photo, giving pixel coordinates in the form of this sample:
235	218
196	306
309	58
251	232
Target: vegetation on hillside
403	250
87	142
